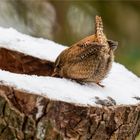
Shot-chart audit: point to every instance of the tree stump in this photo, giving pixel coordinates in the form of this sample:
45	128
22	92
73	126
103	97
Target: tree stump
17	62
28	116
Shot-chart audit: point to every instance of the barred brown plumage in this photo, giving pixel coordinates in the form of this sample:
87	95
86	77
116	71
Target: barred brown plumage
89	60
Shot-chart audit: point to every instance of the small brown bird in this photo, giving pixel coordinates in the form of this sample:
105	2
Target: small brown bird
89	60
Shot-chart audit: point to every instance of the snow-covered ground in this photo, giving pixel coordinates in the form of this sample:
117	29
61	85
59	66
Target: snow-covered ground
121	84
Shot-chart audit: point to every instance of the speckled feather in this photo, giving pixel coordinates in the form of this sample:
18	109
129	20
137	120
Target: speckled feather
88	60
101	38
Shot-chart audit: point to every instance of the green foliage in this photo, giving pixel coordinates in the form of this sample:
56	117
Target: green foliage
138	138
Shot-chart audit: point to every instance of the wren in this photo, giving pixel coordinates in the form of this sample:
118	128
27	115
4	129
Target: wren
88	60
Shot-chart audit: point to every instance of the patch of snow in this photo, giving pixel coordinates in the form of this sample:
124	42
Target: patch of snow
37	47
121	84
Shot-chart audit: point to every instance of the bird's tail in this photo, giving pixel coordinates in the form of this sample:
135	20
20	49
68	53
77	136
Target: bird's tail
101	38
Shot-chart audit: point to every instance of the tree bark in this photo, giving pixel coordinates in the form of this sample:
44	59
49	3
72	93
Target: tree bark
26	116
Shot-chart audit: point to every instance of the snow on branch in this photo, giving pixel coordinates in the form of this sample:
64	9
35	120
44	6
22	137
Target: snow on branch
121	85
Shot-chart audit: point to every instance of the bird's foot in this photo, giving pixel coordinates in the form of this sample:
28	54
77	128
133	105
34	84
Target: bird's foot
100	85
79	82
54	74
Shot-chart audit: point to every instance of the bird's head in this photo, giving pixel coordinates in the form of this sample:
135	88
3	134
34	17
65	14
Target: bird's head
112	44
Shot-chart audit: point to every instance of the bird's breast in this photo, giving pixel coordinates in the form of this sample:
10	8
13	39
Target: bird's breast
103	67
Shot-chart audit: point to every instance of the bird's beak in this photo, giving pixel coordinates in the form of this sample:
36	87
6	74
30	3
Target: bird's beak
112	44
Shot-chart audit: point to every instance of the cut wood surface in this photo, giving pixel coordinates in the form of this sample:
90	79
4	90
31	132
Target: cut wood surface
17	62
46	108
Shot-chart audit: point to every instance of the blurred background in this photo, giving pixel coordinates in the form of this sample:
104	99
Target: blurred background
68	21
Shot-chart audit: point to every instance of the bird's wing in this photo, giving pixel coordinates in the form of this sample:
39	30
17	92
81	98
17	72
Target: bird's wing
82	64
78	53
90	49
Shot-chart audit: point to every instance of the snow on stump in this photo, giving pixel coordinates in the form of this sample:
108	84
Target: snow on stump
43	107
